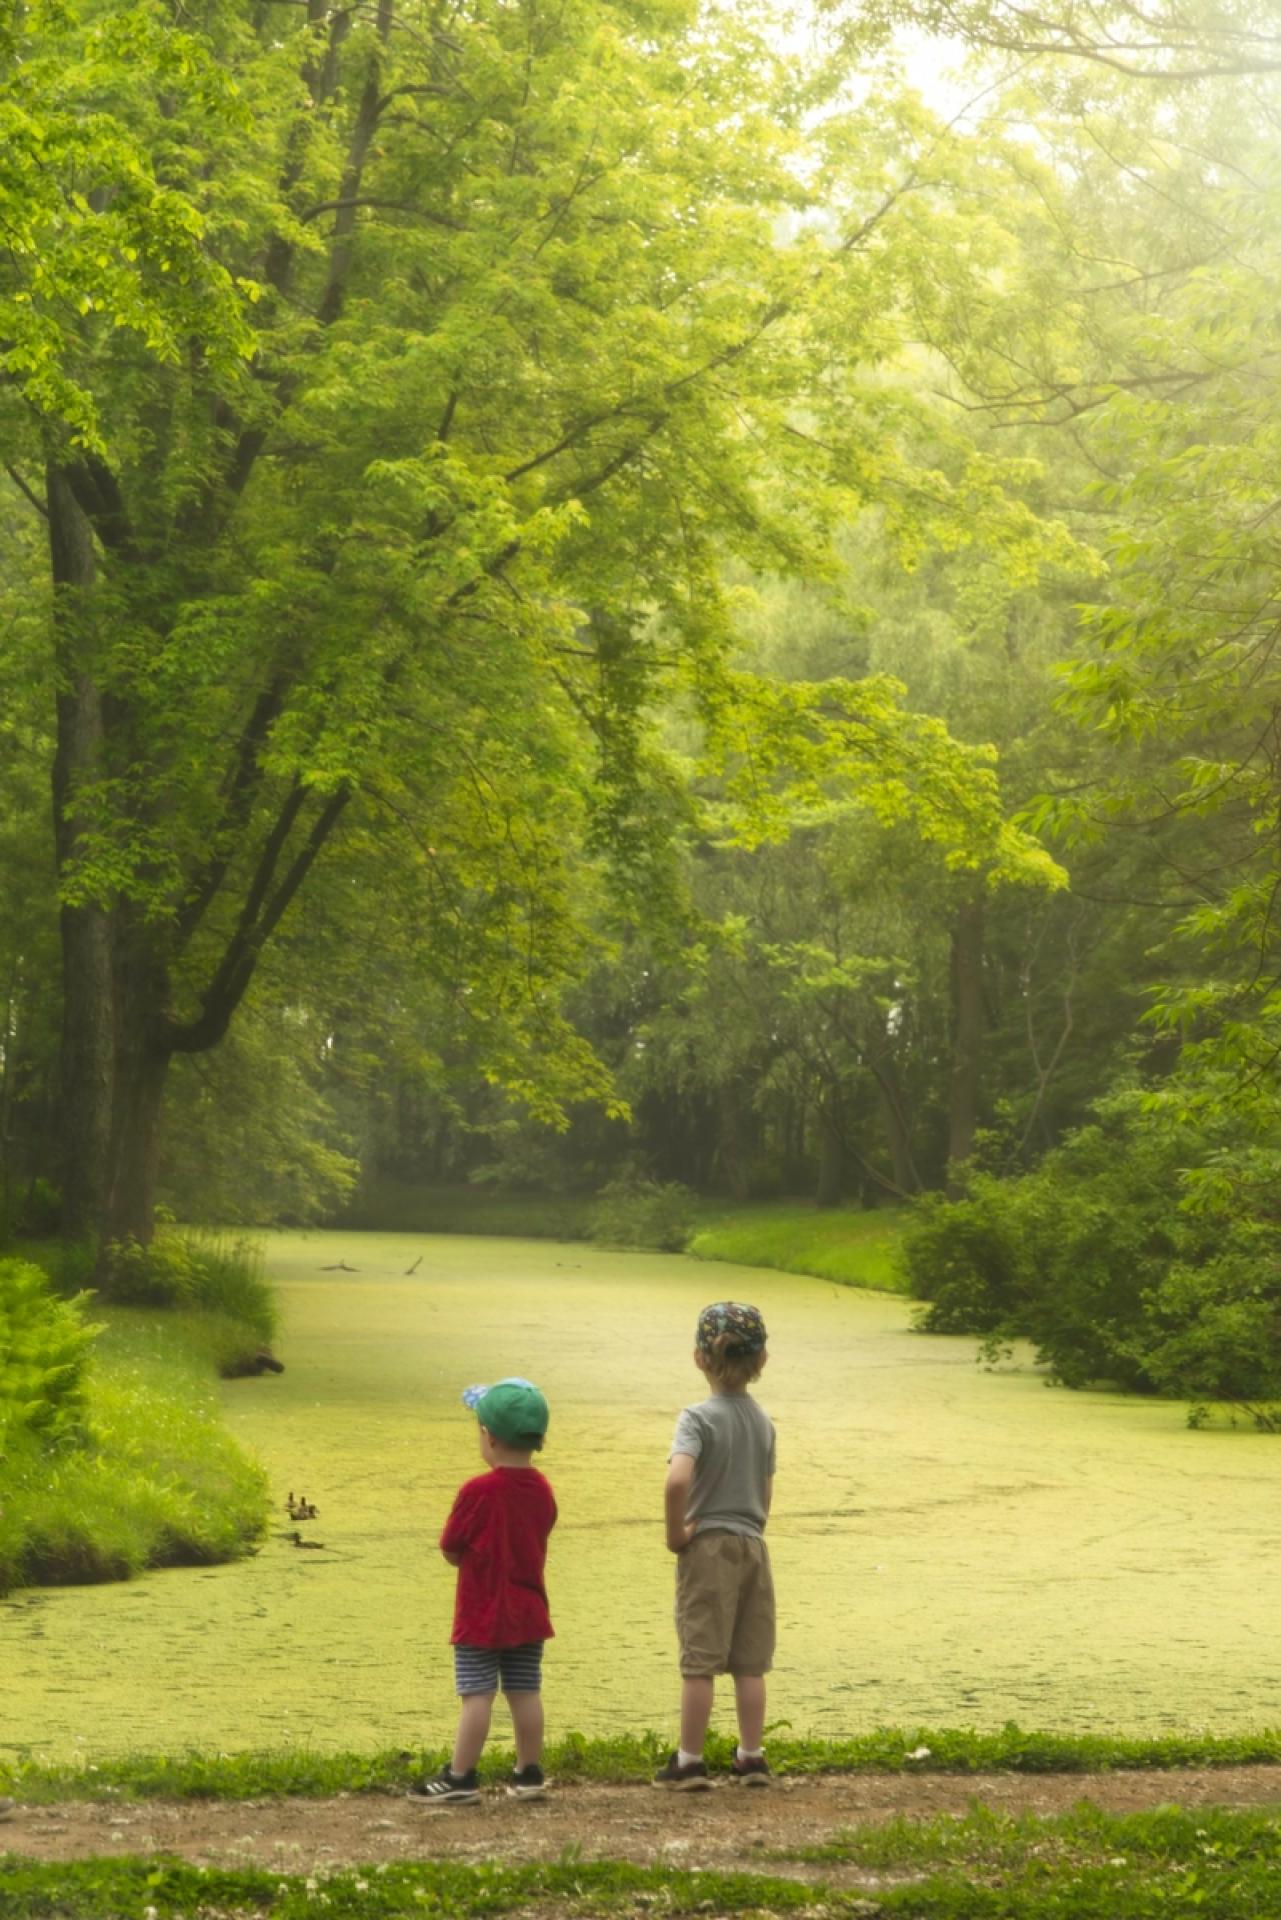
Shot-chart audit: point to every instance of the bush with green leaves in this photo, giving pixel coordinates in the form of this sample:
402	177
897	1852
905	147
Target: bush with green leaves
966	1257
634	1212
1117	1261
44	1351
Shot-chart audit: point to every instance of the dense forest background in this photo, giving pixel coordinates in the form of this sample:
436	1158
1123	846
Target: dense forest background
610	593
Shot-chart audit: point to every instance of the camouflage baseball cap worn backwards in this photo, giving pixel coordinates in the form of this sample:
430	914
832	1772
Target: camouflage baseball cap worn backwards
513	1410
743	1324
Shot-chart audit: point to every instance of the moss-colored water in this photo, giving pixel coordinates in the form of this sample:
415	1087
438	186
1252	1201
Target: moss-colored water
950	1546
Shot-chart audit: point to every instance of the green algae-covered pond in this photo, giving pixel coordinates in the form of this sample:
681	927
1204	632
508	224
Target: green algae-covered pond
950	1546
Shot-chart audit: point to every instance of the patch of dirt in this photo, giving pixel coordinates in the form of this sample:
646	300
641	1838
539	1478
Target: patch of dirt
730	1828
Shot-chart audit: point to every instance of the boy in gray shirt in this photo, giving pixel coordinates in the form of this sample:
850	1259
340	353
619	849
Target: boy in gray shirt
720	1478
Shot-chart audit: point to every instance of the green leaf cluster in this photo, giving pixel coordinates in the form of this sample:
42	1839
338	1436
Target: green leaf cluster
44	1351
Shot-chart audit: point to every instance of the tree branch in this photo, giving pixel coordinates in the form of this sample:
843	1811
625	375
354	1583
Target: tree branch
261	915
240	788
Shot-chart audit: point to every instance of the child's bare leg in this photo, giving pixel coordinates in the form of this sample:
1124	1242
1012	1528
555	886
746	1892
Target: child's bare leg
527	1725
473	1731
749	1699
697	1690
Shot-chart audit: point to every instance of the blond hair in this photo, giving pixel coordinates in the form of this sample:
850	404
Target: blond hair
731	1372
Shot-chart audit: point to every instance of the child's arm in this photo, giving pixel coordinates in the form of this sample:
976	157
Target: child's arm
680	1472
455	1540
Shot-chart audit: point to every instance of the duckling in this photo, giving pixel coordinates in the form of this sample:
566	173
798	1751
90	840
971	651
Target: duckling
302	1508
318	1546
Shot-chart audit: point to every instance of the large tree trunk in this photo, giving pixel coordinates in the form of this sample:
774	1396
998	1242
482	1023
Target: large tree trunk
131	1201
967	1033
86	933
142	1059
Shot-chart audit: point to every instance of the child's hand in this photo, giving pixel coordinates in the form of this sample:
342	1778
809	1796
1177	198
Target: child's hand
679	1539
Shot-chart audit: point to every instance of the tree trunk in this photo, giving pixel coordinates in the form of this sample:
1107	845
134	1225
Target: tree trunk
142	1058
967	1034
897	1136
85	927
131	1201
831	1154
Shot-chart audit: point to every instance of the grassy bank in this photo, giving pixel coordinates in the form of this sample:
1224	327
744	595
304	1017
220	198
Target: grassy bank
1167	1865
114	1457
844	1244
155	1480
628	1759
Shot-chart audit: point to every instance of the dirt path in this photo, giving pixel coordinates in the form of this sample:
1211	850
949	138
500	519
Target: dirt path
728	1828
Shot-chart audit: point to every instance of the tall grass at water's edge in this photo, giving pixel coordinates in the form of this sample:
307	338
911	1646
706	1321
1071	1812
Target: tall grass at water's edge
628	1759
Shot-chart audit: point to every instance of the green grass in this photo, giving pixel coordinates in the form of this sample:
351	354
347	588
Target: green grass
844	1244
631	1758
108	1889
986	1842
1086	1864
158	1480
1166	1865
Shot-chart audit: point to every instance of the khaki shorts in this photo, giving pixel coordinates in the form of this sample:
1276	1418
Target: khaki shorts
725	1604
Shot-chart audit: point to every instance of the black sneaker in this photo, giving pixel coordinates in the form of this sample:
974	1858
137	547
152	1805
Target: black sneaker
690	1778
527	1784
447	1788
753	1771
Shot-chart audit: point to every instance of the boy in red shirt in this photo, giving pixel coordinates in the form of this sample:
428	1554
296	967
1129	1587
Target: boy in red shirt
496	1536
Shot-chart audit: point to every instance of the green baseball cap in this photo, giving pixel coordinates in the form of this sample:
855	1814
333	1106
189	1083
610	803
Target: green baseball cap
514	1410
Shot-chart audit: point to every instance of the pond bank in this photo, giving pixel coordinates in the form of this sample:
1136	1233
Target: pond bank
851	1245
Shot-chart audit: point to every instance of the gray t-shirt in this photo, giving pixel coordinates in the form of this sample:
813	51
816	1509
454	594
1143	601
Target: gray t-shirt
731	1440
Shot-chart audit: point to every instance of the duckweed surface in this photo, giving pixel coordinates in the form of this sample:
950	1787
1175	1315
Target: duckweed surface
950	1546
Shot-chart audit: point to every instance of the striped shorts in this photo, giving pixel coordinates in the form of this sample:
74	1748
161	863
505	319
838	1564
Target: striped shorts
477	1669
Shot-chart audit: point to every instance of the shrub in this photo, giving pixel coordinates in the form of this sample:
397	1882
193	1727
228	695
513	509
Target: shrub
967	1258
44	1350
1115	1263
633	1212
1213	1332
192	1270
